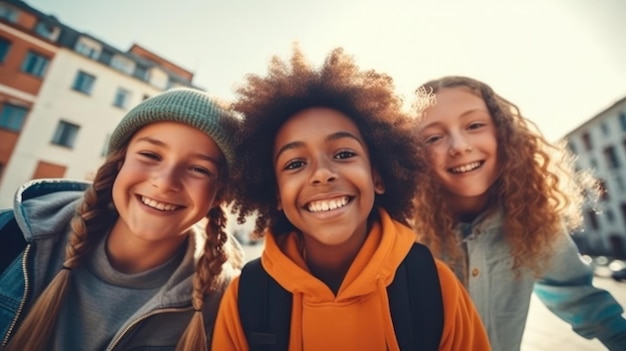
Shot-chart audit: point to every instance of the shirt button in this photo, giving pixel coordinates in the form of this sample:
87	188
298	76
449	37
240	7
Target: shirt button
475	272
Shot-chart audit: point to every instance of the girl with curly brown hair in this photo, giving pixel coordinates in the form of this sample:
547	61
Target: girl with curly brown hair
329	166
122	263
508	200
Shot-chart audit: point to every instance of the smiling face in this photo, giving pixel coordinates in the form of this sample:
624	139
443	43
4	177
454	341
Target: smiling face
167	183
461	138
326	185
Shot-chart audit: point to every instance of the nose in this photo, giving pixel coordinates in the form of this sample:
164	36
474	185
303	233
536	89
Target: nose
459	145
323	173
166	179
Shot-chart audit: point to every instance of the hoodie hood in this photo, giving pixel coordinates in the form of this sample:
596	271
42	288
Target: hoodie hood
361	301
44	207
387	243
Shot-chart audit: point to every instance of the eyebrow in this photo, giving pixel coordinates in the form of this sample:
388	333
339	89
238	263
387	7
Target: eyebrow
461	116
331	137
159	143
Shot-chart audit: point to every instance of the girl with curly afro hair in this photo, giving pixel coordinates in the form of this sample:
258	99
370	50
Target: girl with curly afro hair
329	167
507	201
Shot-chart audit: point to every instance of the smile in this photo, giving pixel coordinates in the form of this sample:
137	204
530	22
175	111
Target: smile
327	205
466	168
158	205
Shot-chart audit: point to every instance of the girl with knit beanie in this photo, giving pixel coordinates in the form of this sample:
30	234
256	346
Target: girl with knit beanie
123	263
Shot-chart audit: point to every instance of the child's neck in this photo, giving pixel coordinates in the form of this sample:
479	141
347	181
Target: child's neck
468	209
328	263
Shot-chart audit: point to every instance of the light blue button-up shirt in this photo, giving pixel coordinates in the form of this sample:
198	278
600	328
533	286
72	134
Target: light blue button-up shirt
565	287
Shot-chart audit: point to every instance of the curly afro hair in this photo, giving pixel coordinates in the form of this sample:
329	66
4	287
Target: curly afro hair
367	97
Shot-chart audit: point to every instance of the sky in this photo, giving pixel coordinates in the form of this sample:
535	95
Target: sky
560	61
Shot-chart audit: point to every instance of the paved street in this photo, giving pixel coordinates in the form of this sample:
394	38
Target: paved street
544	331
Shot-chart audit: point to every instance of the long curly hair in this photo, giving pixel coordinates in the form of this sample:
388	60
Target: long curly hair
538	188
93	218
367	97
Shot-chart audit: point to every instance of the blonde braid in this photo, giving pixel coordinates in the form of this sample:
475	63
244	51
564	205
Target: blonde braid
91	216
205	280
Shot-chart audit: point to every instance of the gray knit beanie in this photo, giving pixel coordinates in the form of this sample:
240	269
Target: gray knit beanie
185	105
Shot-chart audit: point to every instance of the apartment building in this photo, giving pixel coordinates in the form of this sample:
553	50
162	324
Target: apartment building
600	144
27	46
63	94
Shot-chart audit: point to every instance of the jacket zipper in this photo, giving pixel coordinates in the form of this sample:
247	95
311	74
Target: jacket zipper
116	342
24	297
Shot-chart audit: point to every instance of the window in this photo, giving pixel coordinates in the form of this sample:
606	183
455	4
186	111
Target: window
609	215
47	30
86	50
587	141
141	72
83	82
593	219
106	56
122	64
88	47
5	45
611	157
9	13
12	117
65	134
605	128
622	120
121	98
620	183
35	64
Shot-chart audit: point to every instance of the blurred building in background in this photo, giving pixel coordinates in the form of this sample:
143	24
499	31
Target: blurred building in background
61	94
600	144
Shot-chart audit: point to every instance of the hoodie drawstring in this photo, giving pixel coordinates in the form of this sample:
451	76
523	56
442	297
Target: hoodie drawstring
390	334
295	335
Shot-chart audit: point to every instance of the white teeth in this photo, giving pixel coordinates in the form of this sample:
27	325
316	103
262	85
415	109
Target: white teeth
158	205
466	168
326	205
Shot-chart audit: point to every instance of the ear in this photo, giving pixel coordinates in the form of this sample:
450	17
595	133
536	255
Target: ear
379	185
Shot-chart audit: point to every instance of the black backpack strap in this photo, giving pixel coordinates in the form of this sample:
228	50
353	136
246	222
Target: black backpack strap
258	295
417	285
12	241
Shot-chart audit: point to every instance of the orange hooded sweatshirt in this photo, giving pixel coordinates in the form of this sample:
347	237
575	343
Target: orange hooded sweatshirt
358	317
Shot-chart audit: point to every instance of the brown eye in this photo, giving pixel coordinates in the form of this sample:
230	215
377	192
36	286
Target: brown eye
294	165
432	139
475	126
150	155
345	154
